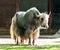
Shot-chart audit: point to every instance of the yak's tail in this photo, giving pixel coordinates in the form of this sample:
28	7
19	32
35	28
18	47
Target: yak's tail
12	28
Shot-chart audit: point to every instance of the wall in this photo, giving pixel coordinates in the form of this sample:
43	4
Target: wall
56	14
42	5
7	11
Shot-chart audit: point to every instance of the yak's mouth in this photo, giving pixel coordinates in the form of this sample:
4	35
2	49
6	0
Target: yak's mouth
45	26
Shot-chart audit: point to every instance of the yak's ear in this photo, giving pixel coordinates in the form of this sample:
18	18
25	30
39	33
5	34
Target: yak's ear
49	13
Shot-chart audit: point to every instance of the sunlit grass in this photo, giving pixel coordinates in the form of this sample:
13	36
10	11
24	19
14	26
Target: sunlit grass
27	47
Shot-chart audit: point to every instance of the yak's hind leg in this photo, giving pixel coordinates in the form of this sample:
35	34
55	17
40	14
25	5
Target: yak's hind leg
16	39
29	41
22	40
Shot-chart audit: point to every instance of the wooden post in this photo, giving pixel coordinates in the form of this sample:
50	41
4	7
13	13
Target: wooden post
50	10
17	5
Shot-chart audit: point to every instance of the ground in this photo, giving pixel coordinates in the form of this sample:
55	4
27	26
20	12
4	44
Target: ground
39	42
42	44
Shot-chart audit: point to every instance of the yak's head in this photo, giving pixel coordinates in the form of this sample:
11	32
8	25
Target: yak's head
44	20
41	20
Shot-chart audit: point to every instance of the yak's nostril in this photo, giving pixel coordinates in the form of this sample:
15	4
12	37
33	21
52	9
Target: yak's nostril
43	25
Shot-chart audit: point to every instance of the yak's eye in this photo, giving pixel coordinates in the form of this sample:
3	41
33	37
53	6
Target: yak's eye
42	19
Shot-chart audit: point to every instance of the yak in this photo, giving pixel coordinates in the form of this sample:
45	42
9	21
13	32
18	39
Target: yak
25	24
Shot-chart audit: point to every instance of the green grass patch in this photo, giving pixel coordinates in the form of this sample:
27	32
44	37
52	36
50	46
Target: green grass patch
27	47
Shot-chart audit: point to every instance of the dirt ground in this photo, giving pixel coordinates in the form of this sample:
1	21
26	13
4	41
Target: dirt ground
40	41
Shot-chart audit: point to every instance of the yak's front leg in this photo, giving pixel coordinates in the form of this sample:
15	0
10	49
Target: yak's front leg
33	42
35	36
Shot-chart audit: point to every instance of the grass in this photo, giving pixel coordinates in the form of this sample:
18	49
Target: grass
27	47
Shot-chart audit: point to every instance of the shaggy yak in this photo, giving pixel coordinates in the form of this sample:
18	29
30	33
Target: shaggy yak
26	25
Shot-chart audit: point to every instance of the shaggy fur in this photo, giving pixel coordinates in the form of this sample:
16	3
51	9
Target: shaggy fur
26	24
